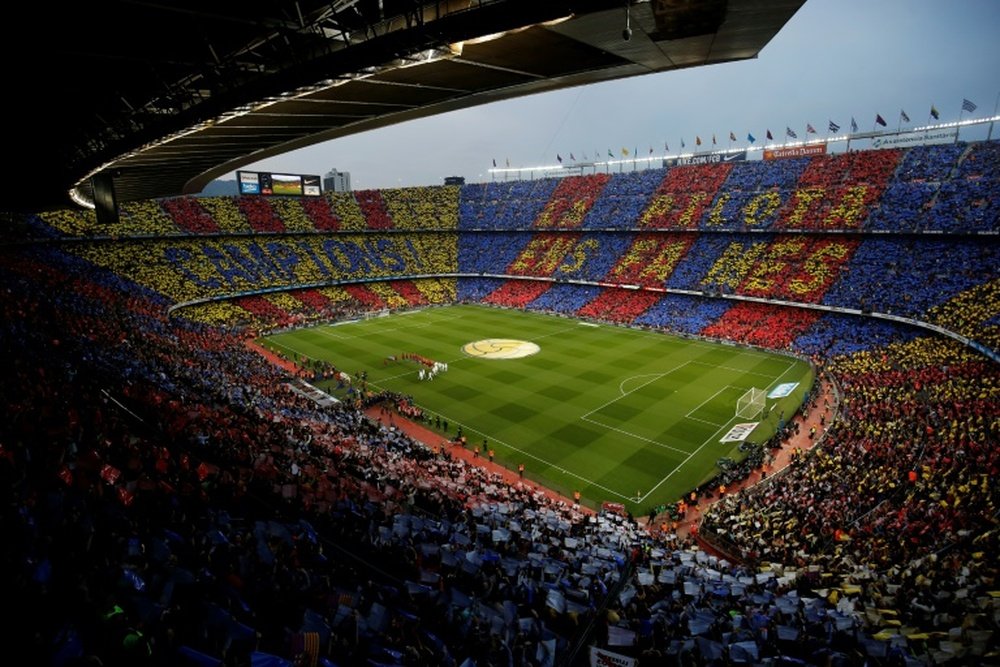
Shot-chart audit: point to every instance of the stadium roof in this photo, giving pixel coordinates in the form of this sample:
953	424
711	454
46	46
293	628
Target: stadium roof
166	97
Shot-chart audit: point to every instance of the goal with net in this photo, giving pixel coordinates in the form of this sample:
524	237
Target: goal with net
751	404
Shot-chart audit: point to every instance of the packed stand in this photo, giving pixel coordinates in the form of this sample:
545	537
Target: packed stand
623	199
226	519
913	522
503	205
752	194
432	207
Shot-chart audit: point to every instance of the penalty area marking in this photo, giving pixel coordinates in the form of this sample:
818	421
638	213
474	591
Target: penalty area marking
710	439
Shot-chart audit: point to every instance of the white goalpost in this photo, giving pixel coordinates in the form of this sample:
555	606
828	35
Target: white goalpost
751	404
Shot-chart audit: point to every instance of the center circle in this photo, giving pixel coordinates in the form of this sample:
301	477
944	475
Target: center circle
500	348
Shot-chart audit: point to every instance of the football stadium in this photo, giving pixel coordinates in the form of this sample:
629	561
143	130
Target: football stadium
730	406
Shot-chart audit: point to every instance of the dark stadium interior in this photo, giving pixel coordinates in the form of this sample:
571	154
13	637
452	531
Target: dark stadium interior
167	109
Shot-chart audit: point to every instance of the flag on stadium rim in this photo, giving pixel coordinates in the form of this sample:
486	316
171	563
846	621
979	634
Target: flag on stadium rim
854	125
968	105
770	136
666	147
650	150
810	129
508	162
494	163
572	158
713	138
934	112
903	116
559	158
834	127
697	140
750	138
610	154
879	120
791	132
624	151
682	143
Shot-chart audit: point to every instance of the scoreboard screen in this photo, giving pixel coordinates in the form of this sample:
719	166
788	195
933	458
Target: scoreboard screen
269	183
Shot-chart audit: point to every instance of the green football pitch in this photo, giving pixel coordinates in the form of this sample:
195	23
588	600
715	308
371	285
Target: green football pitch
622	415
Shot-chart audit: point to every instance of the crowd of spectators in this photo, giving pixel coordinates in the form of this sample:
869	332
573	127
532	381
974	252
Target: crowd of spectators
622	200
942	188
571	202
517	293
899	497
423	208
188	268
908	276
618	305
752	194
226	516
503	205
762	324
564	299
684	196
178	505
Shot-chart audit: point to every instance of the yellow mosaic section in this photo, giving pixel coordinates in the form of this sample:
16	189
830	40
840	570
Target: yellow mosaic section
438	290
71	223
145	217
226	213
968	312
190	268
735	263
345	207
391	297
292	214
432	207
217	313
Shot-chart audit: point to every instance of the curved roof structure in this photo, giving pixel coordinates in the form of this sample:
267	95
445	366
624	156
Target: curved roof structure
189	91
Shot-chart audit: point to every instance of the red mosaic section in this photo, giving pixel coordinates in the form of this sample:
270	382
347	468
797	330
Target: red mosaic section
684	196
570	201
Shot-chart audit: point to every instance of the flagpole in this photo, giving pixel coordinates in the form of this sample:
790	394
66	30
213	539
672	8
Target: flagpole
995	107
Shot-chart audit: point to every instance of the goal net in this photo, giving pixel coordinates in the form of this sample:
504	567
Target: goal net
750	404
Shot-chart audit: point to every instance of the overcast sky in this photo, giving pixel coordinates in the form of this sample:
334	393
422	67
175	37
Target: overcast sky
833	60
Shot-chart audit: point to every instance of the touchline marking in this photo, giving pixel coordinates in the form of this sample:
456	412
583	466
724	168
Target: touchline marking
634	435
289	348
470	429
712	345
553	333
323	328
323	332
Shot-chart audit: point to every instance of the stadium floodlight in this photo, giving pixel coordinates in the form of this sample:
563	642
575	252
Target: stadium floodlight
751	404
